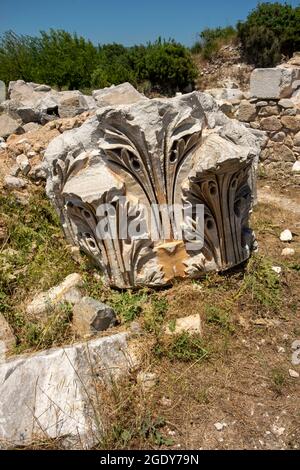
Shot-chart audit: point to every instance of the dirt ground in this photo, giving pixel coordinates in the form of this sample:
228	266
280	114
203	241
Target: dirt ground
245	382
235	376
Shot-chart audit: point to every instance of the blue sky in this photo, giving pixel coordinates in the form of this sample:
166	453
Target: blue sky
127	22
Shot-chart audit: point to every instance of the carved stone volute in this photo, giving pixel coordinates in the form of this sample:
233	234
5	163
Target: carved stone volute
141	163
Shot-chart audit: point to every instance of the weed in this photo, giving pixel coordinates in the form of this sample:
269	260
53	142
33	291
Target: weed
182	347
128	305
218	316
155	313
278	380
262	284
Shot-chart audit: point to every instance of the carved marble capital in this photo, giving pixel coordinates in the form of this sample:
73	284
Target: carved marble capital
163	153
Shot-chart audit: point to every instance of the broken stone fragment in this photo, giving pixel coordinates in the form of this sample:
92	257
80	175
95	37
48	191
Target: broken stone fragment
190	325
286	236
147	380
56	394
12	182
288	252
274	83
9	126
124	93
66	291
246	112
296	167
23	163
91	316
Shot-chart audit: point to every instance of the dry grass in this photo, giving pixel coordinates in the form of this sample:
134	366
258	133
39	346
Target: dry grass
237	372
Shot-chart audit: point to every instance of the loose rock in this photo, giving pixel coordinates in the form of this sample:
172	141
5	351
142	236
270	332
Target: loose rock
50	394
11	182
286	236
67	291
293	374
190	325
91	316
288	252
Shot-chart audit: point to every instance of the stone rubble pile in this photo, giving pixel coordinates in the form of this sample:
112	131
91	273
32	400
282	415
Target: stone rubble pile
271	106
34	114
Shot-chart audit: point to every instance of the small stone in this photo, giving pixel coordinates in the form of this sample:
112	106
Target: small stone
147	380
286	236
286	103
11	182
15	170
246	112
288	141
277	269
255	125
31	126
271	124
278	137
280	349
23	163
291	122
269	111
296	167
281	152
38	172
296	345
289	112
66	291
31	154
91	316
260	104
277	430
190	325
293	374
9	126
220	426
136	328
3	146
165	401
288	252
297	139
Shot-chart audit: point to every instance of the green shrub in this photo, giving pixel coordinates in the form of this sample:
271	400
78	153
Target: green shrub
68	61
168	66
211	40
270	31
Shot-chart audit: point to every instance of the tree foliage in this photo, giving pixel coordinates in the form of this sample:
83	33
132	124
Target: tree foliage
65	60
270	31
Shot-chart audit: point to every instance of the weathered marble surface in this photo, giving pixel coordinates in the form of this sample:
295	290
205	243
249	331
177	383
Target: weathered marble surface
165	151
56	394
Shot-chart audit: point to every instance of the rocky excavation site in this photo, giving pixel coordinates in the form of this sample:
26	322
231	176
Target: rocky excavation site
156	342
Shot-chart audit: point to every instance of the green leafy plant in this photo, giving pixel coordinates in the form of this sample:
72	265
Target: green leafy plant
270	31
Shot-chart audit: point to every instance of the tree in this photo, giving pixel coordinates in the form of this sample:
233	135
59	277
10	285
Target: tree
18	57
66	60
270	31
168	65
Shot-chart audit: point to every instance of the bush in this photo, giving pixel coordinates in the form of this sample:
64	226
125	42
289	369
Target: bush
270	31
114	66
168	66
63	60
212	39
